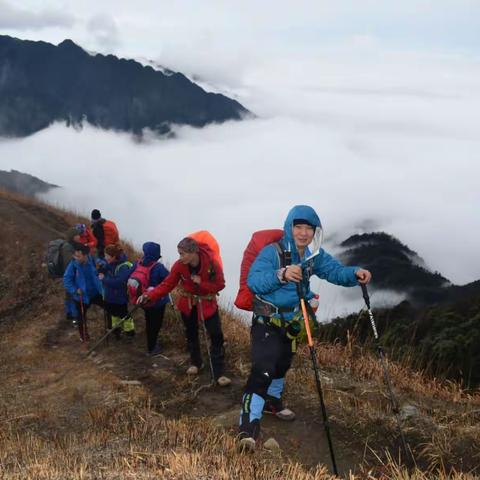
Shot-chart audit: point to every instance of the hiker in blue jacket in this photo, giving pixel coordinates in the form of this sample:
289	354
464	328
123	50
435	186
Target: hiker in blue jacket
275	305
81	281
151	265
114	275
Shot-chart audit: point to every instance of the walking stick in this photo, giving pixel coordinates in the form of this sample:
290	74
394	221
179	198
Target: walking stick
313	356
84	320
106	321
124	319
202	319
381	354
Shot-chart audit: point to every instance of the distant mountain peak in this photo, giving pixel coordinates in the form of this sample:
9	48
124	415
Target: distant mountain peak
42	83
394	266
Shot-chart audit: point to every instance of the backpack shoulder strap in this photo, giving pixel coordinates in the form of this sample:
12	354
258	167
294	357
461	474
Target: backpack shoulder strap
284	257
119	266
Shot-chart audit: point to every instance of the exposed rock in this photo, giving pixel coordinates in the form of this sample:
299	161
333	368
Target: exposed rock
131	382
271	444
409	412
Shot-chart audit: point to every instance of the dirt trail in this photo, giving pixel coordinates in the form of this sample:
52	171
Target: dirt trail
37	347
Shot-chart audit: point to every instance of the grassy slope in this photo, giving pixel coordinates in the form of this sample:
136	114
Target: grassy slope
67	417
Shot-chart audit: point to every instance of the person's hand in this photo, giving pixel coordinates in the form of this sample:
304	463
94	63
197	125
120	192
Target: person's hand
293	273
79	291
196	279
364	276
143	299
101	276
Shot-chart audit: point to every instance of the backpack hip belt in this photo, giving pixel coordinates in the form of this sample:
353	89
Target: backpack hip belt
194	298
279	324
267	309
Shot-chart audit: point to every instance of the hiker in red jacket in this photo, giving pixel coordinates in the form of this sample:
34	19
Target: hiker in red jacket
199	278
105	231
85	237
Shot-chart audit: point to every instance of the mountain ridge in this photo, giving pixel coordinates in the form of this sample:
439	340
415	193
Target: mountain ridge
41	83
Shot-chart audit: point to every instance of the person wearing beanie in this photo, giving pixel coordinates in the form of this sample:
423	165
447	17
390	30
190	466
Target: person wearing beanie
274	281
105	232
199	278
151	266
114	276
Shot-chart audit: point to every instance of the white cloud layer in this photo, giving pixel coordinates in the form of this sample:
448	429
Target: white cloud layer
394	142
353	119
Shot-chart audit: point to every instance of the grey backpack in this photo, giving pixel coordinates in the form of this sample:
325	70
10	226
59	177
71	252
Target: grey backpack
55	262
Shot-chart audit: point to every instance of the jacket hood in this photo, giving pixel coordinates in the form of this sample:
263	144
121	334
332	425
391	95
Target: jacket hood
303	212
151	252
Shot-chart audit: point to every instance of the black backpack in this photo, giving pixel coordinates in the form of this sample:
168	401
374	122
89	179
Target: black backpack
55	263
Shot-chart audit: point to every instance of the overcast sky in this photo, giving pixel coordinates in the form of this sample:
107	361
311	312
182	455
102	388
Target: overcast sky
369	111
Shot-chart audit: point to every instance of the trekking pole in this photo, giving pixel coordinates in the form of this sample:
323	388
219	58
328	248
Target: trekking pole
106	321
84	320
124	319
381	354
202	319
313	356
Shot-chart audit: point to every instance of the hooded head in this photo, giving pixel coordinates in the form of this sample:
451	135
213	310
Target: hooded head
302	214
151	252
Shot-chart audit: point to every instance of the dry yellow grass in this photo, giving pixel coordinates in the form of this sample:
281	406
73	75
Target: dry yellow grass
90	427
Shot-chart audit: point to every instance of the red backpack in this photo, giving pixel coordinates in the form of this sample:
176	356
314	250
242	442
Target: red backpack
110	233
139	281
259	240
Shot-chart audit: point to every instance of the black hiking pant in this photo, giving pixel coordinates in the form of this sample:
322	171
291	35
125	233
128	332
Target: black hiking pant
271	353
82	308
153	324
214	329
116	310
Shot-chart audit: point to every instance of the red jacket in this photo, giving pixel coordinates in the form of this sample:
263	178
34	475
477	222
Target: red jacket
212	281
88	239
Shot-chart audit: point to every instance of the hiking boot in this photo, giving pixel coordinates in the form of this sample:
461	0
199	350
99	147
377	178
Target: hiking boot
246	444
156	351
275	407
193	370
223	381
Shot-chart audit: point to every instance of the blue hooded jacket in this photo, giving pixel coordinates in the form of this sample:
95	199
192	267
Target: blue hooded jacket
115	281
263	278
151	253
83	276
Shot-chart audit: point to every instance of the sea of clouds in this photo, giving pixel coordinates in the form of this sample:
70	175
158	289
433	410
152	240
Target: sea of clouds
386	140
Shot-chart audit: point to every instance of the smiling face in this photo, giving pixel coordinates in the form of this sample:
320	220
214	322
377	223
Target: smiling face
302	235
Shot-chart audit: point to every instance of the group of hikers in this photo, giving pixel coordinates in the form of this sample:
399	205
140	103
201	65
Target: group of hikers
275	275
